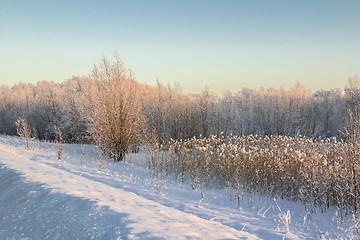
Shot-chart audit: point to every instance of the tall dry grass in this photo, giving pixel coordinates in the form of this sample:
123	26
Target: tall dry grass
319	173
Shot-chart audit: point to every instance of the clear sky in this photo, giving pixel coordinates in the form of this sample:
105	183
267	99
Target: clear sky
222	44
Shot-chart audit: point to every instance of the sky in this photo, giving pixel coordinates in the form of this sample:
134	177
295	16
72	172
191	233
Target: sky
221	44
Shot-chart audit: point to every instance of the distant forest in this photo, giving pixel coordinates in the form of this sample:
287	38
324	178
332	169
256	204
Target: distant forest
83	107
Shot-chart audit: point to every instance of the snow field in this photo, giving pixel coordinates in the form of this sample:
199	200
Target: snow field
129	203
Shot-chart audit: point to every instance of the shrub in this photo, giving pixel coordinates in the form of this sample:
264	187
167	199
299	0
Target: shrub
114	114
24	132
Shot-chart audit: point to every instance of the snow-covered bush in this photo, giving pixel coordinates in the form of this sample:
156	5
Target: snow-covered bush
114	115
25	133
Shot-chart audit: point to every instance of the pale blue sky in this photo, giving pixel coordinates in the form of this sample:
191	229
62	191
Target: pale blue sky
223	44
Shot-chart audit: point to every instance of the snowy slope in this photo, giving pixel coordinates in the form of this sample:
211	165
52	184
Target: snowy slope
83	196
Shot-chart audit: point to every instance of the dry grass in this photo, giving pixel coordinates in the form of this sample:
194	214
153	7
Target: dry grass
319	173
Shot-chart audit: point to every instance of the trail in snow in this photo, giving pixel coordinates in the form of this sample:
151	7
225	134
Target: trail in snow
28	211
143	217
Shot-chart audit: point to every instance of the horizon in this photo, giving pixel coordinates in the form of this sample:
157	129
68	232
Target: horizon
222	45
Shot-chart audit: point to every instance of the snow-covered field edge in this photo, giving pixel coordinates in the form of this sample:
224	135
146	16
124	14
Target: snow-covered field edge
129	203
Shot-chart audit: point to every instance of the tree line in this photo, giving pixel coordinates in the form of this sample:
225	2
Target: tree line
111	108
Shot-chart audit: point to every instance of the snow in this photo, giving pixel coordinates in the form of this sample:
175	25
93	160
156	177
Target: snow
84	196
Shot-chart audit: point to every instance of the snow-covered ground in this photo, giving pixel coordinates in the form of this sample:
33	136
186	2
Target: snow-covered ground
84	196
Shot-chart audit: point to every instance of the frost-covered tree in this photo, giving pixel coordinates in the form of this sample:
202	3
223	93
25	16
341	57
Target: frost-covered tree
5	106
114	116
73	124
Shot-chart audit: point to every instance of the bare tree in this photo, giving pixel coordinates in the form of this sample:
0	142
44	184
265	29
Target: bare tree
115	116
